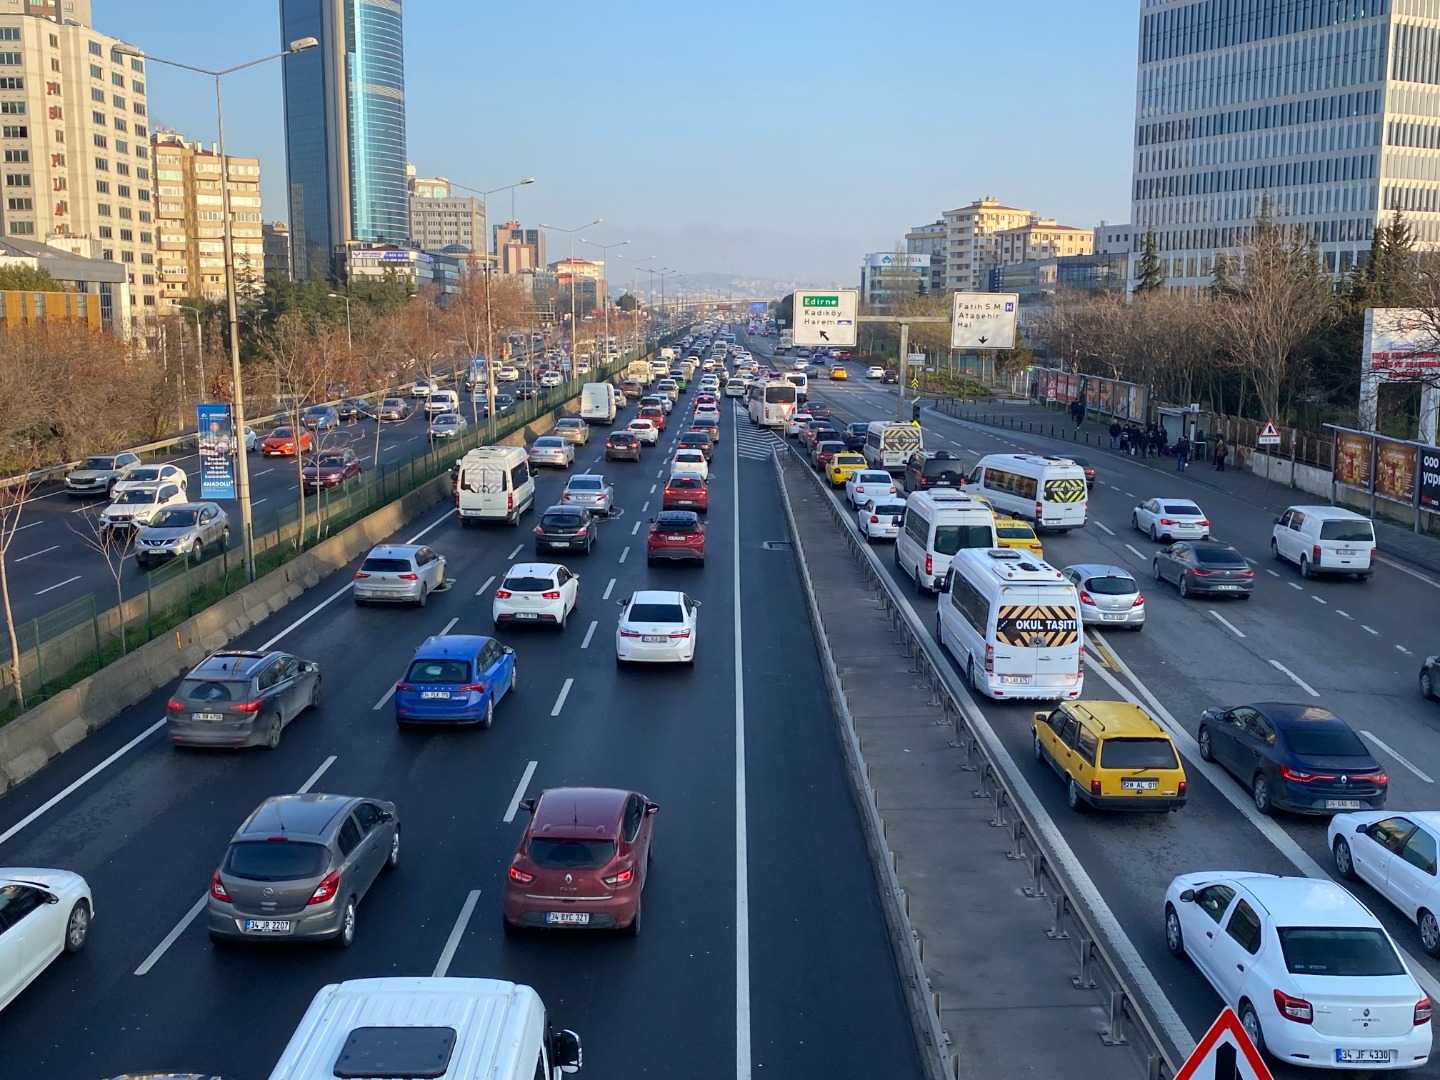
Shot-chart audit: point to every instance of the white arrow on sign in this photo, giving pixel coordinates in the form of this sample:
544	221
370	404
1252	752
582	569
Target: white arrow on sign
984	320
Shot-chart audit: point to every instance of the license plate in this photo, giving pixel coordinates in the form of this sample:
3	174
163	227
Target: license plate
267	926
1014	680
1348	551
207	717
1342	804
655	639
560	543
1107	616
567	918
1351	1056
676	539
1231	587
438	694
527	614
1139	785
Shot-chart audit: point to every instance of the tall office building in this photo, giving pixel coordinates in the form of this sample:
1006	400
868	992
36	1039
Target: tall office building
1328	108
519	250
75	143
344	129
440	220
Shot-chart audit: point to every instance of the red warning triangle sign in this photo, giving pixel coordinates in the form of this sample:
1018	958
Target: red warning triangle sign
1225	1053
1269	431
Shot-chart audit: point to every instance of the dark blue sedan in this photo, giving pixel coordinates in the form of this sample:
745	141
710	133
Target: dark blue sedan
1300	758
455	678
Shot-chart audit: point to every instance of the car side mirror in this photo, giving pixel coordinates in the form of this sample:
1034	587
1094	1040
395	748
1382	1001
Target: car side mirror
1360	829
565	1051
651	808
528	805
1277	521
386	815
51	898
1188	896
507	650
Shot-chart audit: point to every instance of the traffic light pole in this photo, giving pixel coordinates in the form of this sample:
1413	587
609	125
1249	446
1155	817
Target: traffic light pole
904	362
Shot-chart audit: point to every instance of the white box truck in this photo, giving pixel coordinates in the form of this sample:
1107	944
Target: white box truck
597	404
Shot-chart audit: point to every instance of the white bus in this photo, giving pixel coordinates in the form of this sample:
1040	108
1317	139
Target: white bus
889	446
1012	622
1050	491
800	381
772	404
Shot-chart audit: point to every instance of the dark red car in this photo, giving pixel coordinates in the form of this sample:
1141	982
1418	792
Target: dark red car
655	413
330	469
823	451
685	492
582	862
676	535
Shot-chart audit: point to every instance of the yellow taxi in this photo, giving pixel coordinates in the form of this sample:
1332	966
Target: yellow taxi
1111	755
838	372
842	466
1014	533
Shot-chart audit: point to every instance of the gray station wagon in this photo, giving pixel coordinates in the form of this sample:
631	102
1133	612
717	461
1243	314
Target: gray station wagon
241	699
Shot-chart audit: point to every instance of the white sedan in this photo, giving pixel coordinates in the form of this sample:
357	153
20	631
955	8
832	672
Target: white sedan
868	485
551	379
1168	520
657	627
796	423
1313	976
42	914
1395	854
692	462
536	593
874	373
644	430
142	477
707	414
879	520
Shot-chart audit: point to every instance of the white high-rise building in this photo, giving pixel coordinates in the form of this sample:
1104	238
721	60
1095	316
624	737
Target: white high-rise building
1330	108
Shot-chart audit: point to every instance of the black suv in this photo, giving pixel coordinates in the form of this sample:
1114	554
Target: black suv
931	469
854	435
569	528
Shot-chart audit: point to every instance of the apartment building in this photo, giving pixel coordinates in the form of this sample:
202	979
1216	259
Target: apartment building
1042	238
75	143
275	238
190	221
971	247
519	250
929	240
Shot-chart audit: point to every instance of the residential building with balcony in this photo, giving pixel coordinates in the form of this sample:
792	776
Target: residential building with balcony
1042	238
971	246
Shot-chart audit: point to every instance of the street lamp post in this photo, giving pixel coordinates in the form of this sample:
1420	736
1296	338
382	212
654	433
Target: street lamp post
349	341
605	254
242	467
635	312
574	331
199	349
663	275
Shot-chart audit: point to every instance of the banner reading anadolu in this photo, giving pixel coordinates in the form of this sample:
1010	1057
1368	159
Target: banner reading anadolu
217	446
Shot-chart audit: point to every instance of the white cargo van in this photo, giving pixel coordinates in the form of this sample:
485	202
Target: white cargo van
1012	622
1325	540
495	484
889	446
445	1028
1050	491
936	525
597	404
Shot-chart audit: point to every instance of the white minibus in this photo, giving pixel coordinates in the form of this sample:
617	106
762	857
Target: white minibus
936	525
1050	491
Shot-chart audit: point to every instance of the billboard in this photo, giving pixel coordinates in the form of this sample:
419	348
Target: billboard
1395	470
217	445
1429	480
1400	344
759	307
1352	460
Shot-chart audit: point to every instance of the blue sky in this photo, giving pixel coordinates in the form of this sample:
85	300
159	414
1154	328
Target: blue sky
782	139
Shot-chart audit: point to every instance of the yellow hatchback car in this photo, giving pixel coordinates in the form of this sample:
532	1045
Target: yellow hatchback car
842	466
838	372
1015	533
1111	755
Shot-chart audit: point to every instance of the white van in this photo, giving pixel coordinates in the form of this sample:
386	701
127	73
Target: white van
597	403
1325	540
936	525
442	401
495	484
446	1028
889	446
1050	491
1012	622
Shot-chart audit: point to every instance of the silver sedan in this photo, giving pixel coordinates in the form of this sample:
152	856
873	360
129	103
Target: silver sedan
1168	520
1109	595
552	450
591	491
573	430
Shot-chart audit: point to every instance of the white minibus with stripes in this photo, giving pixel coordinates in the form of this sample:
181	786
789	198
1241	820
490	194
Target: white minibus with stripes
1050	491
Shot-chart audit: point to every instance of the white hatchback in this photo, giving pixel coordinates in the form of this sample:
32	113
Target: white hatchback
692	462
869	485
536	593
880	520
644	430
796	423
657	627
1168	520
42	914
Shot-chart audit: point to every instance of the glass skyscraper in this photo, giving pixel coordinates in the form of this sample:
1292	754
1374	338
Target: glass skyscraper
344	128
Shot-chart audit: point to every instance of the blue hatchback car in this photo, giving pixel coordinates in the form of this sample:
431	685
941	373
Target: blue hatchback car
455	679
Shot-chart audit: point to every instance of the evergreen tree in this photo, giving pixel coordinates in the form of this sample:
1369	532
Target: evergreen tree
27	279
1149	277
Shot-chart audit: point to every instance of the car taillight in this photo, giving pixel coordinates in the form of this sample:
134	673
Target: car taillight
521	876
361	574
327	888
1094	787
680	633
1085	598
629	633
408	577
565	496
174	706
1315	553
1204	521
510	501
929	564
1246	573
1296	1009
1380	779
874	519
1422	1012
989	659
609	446
505	594
217	892
403	686
600	497
1182	788
1168	521
1139	600
248	707
1039	509
539	531
552	594
1296	775
581	530
475	687
1202	573
624	877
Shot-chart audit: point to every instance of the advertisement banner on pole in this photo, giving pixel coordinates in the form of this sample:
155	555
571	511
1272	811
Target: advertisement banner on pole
1395	470
1429	478
759	307
1352	460
217	444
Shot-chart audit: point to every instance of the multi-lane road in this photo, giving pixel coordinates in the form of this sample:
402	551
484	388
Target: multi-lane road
764	952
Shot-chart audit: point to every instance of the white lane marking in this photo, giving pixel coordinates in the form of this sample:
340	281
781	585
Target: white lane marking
80	509
560	701
1396	755
515	552
1318	600
514	806
1227	624
452	943
384	698
1252	562
309	615
606	595
652	488
1297	585
33	554
636	529
1406	651
1406	570
315	776
1272	573
1295	678
1131	495
257	502
589	634
29	525
625	554
660	473
1104	528
433	525
1137	554
1344	615
646	507
488	581
1369	630
742	843
450	626
264	472
62	584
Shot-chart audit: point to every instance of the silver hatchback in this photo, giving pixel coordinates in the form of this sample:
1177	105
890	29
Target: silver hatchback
299	867
399	574
1109	595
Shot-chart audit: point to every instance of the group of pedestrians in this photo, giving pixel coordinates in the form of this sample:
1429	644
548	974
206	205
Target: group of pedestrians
1153	440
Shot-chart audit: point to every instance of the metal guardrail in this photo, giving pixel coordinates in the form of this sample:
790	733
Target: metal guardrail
1096	968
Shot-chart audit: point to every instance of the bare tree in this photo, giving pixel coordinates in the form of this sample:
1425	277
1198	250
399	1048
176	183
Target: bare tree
113	545
14	497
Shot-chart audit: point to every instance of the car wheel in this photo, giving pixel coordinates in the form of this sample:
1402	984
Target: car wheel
77	927
1251	1023
197	552
1344	861
1429	933
489	720
1154	535
1155	569
919	588
1305	569
1072	797
1184	587
1206	754
394	857
1174	935
345	936
1274	550
1035	747
424	595
1260	792
272	733
633	930
1427	685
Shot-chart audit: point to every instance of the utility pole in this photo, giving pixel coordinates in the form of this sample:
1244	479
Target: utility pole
904	361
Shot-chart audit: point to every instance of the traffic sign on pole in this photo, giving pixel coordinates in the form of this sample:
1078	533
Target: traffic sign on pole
826	316
1225	1053
915	384
984	320
1269	434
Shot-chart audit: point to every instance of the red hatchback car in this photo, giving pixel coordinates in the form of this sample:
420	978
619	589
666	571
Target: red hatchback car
653	413
677	535
582	862
685	492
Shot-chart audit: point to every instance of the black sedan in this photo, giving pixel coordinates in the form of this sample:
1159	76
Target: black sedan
890	378
1204	567
565	528
854	436
354	408
622	446
1300	758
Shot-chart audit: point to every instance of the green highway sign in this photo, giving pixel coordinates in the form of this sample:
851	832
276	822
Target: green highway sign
826	317
819	300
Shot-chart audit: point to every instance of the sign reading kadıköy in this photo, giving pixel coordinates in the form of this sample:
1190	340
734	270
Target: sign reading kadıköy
826	316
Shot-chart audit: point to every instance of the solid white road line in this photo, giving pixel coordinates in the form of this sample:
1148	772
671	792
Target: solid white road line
452	943
308	615
1104	528
33	554
1406	570
1396	755
1295	678
516	551
384	698
560	701
263	472
1227	624
606	595
514	806
742	843
257	502
433	525
1139	555
62	584
625	554
589	634
488	582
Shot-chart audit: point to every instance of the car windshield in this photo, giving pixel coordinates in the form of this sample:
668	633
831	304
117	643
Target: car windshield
559	520
1182	509
942	468
438	671
266	860
1015	532
282	433
379	565
665	524
1325	742
316	411
98	463
568	423
1112	586
586	483
849	459
689	455
173	519
872	478
331	461
393	403
142	475
656	613
1219	556
951	538
527	584
202	691
1146	753
685	482
562	854
129	498
1346	951
1349	532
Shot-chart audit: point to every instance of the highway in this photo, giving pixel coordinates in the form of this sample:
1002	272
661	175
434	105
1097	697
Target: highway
764	951
1352	647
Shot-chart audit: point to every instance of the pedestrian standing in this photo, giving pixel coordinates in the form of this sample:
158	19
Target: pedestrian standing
1221	453
1115	430
1182	453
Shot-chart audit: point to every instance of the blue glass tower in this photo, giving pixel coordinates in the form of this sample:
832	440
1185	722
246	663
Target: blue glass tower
344	128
